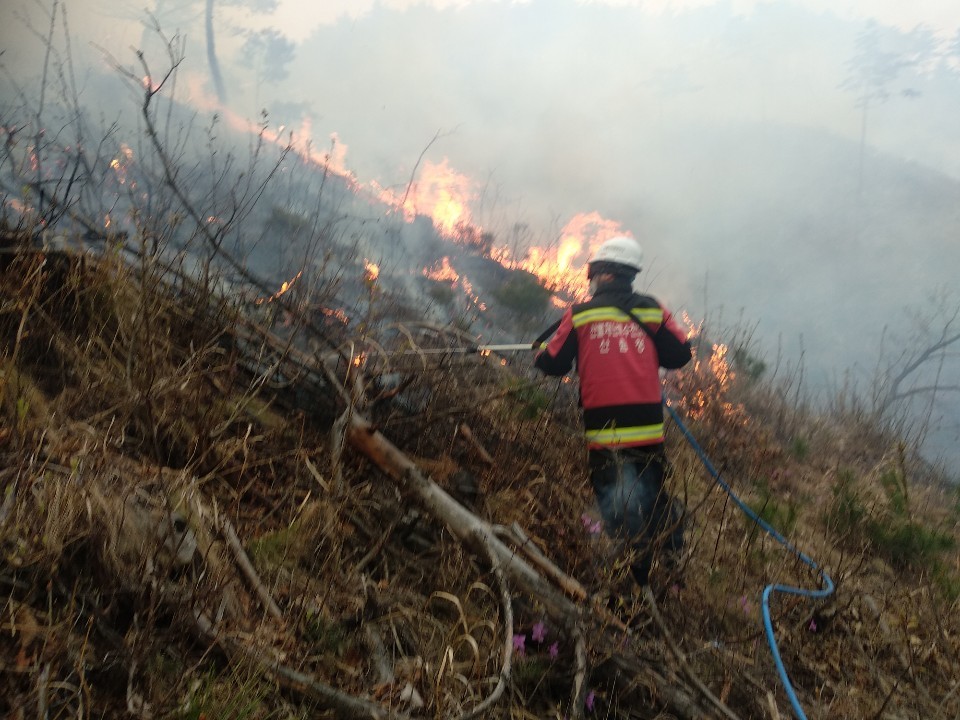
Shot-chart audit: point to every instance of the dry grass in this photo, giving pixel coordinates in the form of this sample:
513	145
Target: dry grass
115	385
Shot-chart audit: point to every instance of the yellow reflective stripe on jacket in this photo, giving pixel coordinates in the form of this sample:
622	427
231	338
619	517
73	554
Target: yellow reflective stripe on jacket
624	435
612	314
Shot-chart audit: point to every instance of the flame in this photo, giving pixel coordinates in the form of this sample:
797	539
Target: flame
122	162
720	366
468	291
149	84
560	267
712	382
445	196
693	328
439	192
18	206
371	271
287	284
335	314
332	160
444	273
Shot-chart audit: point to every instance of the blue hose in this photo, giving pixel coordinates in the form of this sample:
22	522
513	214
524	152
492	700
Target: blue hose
826	582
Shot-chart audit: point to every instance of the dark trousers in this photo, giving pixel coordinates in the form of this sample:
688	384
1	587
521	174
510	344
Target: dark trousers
635	507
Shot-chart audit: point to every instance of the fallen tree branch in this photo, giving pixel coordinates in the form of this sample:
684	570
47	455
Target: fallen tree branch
461	522
472	439
250	572
364	437
471	530
530	549
361	434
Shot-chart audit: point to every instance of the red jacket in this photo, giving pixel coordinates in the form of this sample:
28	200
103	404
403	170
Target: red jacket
618	364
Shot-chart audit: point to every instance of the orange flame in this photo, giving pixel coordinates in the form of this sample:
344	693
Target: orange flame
335	314
149	84
693	329
444	195
444	273
720	366
332	160
287	284
561	267
122	162
439	192
371	271
468	291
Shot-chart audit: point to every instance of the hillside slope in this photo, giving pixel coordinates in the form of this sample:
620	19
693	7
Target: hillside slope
197	521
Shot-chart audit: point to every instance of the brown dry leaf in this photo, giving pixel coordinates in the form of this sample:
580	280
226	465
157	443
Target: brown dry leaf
25	622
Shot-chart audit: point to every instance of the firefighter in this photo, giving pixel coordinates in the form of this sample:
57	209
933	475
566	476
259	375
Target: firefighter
618	360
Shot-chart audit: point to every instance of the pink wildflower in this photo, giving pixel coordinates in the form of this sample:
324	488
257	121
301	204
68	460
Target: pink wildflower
520	644
539	632
812	627
592	527
554	650
591	698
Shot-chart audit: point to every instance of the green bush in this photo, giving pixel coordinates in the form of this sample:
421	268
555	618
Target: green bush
442	292
530	400
800	448
236	694
890	531
287	221
781	517
326	635
895	485
948	582
749	364
847	512
907	543
523	294
897	536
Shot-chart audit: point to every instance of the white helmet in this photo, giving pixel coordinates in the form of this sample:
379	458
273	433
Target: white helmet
620	250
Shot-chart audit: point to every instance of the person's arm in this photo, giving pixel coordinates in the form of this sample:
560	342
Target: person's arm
673	347
558	356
